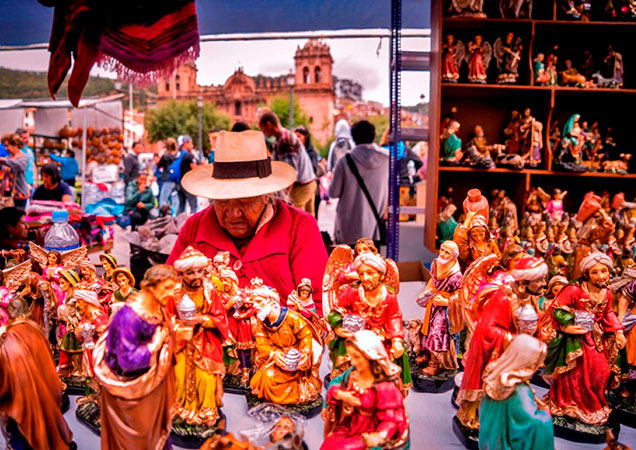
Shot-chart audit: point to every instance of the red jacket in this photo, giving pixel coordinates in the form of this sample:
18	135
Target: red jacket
285	250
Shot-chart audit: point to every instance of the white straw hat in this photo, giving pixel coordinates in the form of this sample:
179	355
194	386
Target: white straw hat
241	169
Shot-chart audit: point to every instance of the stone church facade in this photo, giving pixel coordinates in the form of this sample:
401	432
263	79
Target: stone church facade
241	96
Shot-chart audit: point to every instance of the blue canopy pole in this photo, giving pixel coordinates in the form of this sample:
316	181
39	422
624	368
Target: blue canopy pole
393	235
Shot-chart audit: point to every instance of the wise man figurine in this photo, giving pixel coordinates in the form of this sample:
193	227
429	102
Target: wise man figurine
199	367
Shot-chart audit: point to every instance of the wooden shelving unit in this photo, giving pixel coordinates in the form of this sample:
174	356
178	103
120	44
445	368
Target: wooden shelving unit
490	105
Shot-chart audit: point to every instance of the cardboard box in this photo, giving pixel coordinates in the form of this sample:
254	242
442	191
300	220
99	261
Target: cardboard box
413	271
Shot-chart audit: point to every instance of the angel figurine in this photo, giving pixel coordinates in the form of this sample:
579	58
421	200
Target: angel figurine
467	8
554	209
478	57
508	54
52	262
452	56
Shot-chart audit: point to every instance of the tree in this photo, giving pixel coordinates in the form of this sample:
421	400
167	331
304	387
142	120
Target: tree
280	106
174	118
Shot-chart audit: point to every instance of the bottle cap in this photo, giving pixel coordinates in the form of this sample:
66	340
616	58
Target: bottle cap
60	216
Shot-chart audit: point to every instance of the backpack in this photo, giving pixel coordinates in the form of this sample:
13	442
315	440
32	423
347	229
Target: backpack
174	171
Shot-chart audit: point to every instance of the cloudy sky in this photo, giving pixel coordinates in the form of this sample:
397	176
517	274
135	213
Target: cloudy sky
362	59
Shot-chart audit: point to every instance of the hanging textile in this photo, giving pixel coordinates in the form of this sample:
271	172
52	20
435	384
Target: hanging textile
141	40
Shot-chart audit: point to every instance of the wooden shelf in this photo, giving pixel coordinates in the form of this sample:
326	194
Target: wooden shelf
525	87
536	172
497	20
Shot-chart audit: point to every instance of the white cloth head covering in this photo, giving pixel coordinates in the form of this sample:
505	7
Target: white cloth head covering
593	259
517	364
266	293
87	296
227	273
372	347
371	259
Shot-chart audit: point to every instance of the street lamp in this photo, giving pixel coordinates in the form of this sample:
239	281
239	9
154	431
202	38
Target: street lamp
291	80
200	105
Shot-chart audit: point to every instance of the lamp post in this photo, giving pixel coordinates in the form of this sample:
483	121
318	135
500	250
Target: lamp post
200	105
291	80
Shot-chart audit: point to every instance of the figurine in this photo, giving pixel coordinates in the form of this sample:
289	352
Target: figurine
584	335
125	282
89	277
446	223
42	300
508	54
53	261
554	208
479	152
199	366
30	388
476	203
513	144
498	322
133	366
531	138
70	362
627	315
300	300
509	414
239	310
467	8
541	75
555	285
614	67
443	317
474	239
597	229
364	407
452	145
373	305
109	264
551	70
5	298
94	322
570	155
452	56
515	9
571	77
286	361
478	58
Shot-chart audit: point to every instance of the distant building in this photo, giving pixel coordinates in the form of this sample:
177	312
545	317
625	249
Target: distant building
241	95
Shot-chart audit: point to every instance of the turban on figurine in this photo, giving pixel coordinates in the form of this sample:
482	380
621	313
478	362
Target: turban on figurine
371	259
190	259
86	296
529	268
595	258
87	264
266	293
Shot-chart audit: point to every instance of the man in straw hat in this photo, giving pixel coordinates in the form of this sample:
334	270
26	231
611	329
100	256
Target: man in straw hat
270	239
583	335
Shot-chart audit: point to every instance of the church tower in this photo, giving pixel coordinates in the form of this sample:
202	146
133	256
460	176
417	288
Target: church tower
181	85
314	87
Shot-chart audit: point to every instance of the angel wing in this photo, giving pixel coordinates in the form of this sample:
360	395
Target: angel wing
71	258
14	276
474	279
544	197
392	277
39	254
340	258
460	52
498	52
562	195
487	54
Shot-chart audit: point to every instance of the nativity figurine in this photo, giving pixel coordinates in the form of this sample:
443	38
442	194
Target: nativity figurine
507	52
451	145
452	56
478	57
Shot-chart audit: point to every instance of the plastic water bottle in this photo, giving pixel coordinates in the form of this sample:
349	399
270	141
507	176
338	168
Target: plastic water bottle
61	236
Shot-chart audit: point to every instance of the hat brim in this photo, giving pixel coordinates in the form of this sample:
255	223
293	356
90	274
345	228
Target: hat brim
200	182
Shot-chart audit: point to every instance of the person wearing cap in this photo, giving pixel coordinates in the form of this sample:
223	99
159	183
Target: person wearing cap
584	336
495	329
288	149
188	163
125	281
265	237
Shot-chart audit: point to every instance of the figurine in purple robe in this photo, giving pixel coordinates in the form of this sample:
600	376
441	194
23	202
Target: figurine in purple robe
443	312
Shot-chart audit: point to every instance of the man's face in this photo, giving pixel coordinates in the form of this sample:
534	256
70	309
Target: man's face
239	217
599	275
188	145
25	137
268	129
369	277
87	273
264	306
537	287
444	254
142	180
82	307
163	291
138	148
193	278
212	137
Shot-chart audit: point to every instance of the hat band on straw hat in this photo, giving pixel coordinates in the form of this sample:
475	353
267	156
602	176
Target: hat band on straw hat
261	168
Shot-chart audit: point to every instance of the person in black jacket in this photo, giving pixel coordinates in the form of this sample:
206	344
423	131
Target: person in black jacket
305	137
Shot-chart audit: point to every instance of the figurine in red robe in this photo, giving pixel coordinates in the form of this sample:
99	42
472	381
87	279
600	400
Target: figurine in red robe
584	336
498	324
